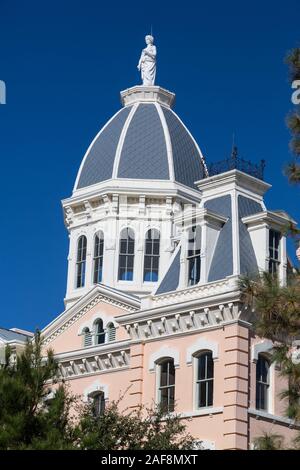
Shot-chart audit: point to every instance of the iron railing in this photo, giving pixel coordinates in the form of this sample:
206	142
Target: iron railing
236	163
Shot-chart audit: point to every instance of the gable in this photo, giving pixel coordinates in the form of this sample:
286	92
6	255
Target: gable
65	333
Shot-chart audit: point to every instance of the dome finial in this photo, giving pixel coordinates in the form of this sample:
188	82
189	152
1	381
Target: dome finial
147	62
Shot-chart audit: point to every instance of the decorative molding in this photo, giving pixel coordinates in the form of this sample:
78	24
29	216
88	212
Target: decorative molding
196	292
90	361
164	351
202	344
263	347
178	322
280	219
94	388
83	311
90	323
142	93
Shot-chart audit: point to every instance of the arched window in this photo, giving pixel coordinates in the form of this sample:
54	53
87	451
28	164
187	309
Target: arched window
99	332
98	257
151	257
126	256
193	256
166	384
204	379
111	332
98	403
262	383
81	261
87	337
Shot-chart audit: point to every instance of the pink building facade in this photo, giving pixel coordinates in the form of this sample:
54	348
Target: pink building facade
158	242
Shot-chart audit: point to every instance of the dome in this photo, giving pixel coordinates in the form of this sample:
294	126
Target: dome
145	140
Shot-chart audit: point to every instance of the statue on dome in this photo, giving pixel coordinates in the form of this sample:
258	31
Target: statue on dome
147	62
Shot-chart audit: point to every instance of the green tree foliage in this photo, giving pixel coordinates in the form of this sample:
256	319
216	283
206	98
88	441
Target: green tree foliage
29	420
143	428
277	307
293	119
26	420
277	310
268	442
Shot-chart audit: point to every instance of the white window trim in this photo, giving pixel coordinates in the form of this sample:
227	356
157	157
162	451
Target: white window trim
197	236
264	348
202	344
94	388
207	411
163	352
157	377
98	232
91	323
195	395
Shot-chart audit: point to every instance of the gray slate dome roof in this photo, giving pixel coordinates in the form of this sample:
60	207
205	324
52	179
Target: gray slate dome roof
144	140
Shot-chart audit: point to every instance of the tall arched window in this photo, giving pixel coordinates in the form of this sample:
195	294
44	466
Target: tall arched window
98	403
99	332
81	261
151	257
262	383
193	256
204	379
126	256
110	332
166	384
98	257
87	337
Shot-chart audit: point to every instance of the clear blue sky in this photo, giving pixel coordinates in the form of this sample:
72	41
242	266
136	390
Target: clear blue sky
64	64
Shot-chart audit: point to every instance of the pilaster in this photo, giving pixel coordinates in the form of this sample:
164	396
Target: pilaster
136	375
236	384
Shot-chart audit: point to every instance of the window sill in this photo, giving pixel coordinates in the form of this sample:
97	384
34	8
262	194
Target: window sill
210	410
274	418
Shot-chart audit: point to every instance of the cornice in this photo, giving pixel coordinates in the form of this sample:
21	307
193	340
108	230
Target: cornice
233	177
280	219
94	360
201	215
161	323
147	94
133	187
203	293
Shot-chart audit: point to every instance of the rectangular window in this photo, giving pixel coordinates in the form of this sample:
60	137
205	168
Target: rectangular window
167	386
126	256
205	380
98	258
98	404
151	258
81	261
262	383
193	256
274	260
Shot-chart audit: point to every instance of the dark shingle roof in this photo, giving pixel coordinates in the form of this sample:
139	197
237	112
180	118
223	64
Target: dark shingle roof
9	335
134	145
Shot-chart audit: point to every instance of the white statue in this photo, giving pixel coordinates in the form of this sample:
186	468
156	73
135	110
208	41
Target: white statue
147	62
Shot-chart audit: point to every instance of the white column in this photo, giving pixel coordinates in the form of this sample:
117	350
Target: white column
235	233
203	254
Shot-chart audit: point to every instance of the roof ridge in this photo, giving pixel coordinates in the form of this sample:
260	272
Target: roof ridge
121	140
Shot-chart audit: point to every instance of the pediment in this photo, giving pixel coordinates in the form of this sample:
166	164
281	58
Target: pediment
62	333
